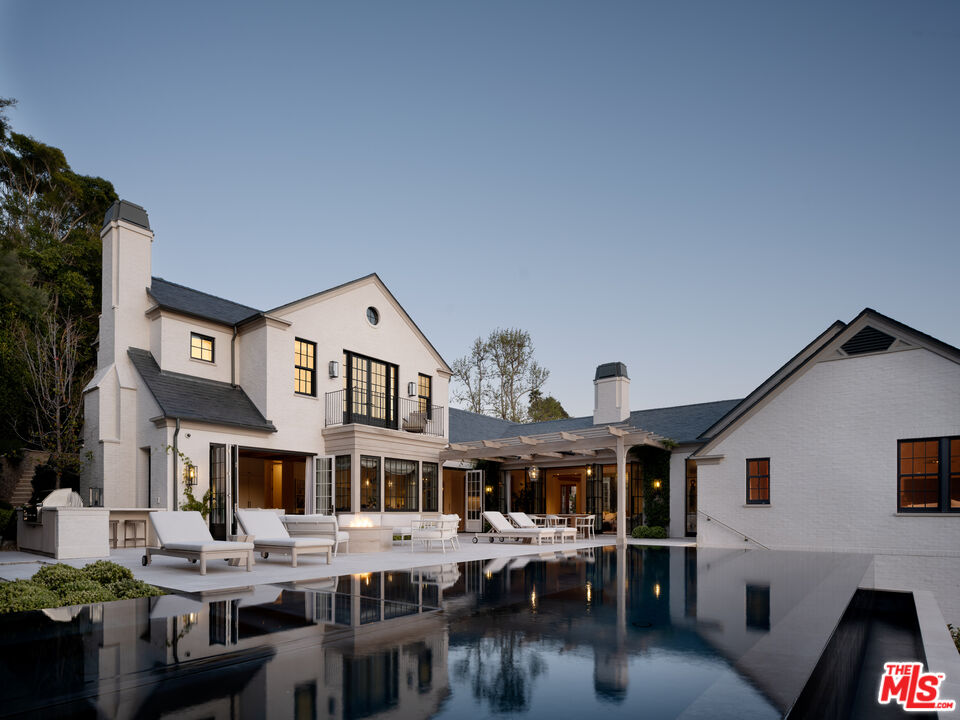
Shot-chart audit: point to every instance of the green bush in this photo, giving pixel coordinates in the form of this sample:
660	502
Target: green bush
5	517
955	634
56	577
106	572
654	531
129	588
21	595
58	585
83	592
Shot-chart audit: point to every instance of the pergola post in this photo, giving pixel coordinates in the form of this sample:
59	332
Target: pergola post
621	493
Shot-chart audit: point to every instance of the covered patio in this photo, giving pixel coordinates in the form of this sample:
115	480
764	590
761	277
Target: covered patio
583	448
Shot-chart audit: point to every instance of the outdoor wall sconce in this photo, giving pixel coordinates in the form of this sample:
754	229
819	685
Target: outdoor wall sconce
411	388
334	367
589	471
190	475
489	489
534	472
656	484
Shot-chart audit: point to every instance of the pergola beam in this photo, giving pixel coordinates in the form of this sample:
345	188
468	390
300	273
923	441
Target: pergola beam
586	445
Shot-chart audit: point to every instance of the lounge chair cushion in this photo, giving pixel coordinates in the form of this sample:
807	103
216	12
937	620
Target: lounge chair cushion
180	527
209	546
262	524
297	542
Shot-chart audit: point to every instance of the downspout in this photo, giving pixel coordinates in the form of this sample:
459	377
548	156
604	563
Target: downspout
176	457
233	358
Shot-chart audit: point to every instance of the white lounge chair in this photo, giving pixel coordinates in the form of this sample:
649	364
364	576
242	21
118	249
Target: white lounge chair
501	528
185	534
270	536
560	532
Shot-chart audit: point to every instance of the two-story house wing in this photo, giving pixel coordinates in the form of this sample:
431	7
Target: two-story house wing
335	402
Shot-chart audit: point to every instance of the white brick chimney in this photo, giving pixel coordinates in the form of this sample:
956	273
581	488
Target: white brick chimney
611	394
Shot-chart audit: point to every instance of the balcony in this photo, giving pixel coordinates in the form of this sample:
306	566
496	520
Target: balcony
386	411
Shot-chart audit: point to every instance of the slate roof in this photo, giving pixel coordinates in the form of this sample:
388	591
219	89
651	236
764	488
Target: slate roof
192	398
172	296
682	423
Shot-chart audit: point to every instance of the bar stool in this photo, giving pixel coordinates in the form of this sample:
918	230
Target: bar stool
114	528
139	528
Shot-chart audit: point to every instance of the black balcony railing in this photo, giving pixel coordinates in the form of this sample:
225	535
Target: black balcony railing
344	407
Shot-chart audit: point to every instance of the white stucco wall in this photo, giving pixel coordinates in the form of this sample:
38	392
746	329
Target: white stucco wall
170	345
831	437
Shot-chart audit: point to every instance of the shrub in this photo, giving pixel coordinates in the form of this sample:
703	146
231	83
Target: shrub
21	595
83	592
106	572
56	577
130	588
655	532
5	517
955	633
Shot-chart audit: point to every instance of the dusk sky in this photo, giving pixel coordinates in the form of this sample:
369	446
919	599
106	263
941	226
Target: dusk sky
696	189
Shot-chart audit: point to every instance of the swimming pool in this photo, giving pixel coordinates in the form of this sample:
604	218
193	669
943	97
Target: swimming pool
640	632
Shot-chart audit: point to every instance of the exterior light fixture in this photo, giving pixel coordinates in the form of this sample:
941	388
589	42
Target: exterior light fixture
534	472
190	475
489	489
589	471
334	368
411	388
656	484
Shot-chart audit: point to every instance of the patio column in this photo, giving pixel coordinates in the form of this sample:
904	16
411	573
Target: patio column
621	493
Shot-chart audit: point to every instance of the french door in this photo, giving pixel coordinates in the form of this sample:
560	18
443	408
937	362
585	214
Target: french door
323	495
223	490
371	397
473	501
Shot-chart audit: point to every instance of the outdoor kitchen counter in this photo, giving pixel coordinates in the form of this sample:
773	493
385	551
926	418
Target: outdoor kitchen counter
66	532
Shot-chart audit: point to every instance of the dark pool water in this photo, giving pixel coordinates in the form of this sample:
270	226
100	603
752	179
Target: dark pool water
643	632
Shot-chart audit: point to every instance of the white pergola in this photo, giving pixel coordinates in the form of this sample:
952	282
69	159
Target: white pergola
583	443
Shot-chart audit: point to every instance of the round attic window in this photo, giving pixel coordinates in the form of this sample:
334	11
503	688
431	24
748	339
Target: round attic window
373	316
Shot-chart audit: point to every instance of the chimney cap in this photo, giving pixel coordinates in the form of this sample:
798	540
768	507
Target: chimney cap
608	370
128	211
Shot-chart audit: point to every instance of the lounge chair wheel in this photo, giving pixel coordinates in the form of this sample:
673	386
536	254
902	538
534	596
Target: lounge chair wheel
193	560
265	555
476	539
502	539
144	561
491	541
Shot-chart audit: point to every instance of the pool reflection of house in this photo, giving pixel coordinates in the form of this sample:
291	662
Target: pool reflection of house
355	648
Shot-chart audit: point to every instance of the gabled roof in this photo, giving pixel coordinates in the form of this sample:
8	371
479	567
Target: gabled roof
171	296
681	423
829	343
366	279
191	398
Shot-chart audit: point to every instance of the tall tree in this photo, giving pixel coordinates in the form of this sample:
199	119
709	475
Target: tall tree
49	302
499	374
544	408
472	373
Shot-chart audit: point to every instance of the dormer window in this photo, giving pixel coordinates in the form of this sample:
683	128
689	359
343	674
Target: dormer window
201	347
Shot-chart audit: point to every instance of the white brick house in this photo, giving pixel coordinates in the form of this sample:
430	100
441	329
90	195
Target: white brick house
334	399
853	445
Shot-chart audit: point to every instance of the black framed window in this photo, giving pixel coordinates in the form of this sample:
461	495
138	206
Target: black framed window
429	475
304	367
369	483
425	394
758	481
201	347
400	485
928	475
343	501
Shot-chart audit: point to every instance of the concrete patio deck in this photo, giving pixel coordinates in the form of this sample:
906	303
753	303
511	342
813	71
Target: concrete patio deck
178	575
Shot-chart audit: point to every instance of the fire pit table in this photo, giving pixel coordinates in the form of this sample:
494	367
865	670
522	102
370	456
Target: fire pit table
369	539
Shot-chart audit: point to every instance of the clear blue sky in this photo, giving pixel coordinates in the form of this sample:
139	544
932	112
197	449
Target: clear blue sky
693	188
